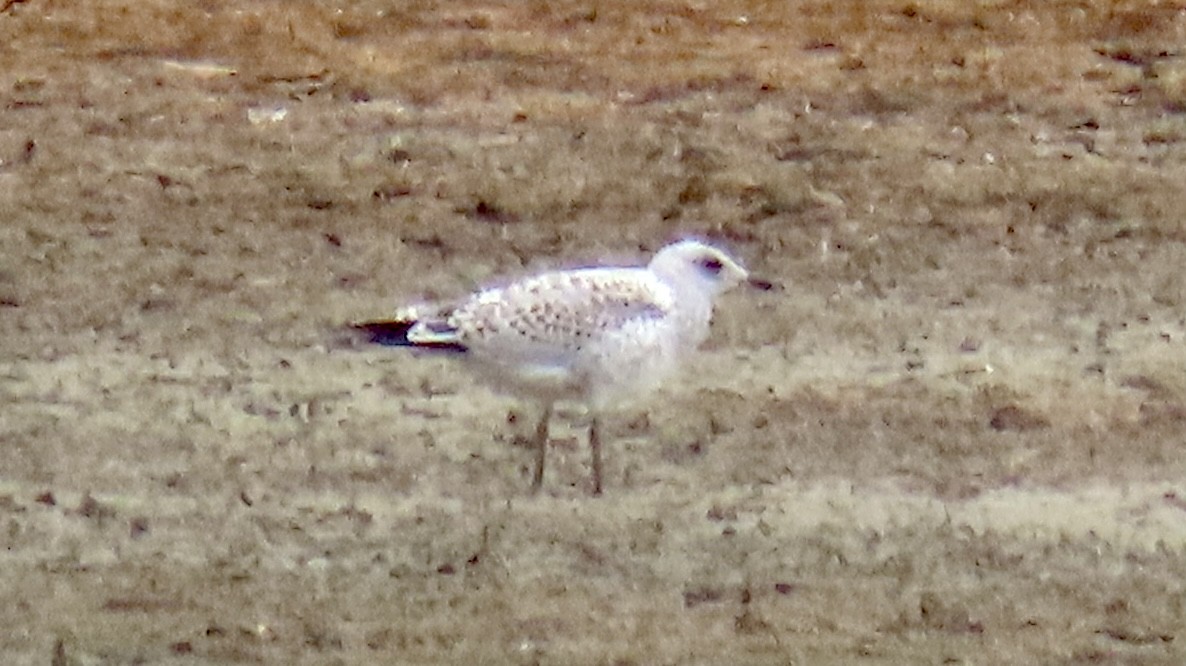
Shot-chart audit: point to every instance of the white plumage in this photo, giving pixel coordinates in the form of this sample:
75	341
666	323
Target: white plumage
597	336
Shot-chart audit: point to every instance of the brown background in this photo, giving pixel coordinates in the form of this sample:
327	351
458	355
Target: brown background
954	437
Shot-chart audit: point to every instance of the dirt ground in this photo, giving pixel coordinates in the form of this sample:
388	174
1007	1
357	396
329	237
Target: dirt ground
953	437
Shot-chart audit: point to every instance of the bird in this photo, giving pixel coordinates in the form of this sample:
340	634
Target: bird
598	336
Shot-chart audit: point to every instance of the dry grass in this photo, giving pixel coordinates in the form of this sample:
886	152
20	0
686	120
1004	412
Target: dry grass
954	437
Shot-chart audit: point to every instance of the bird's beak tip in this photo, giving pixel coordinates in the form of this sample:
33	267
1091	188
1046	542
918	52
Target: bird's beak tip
763	285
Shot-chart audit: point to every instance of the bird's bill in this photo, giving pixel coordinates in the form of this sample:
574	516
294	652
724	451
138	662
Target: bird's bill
763	285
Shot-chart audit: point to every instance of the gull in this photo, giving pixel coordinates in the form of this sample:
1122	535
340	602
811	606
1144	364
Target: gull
595	336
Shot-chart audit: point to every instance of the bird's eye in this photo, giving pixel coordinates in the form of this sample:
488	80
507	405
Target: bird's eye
712	265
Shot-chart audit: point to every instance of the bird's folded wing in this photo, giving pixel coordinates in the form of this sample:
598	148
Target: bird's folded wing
549	318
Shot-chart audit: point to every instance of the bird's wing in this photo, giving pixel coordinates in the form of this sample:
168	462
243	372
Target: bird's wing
550	318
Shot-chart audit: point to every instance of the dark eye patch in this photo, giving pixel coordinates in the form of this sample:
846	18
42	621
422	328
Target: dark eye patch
712	265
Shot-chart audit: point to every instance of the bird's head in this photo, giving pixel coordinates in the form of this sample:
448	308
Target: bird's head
696	263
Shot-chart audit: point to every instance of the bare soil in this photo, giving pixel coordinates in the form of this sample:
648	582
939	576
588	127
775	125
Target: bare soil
954	436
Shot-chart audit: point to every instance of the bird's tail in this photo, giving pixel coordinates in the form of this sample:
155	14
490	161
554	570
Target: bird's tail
411	332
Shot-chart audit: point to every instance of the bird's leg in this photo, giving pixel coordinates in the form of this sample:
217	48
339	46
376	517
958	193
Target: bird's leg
595	447
541	447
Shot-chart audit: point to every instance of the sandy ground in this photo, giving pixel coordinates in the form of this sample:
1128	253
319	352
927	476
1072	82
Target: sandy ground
954	436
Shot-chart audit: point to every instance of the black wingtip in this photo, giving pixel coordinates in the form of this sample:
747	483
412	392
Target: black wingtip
394	333
389	333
